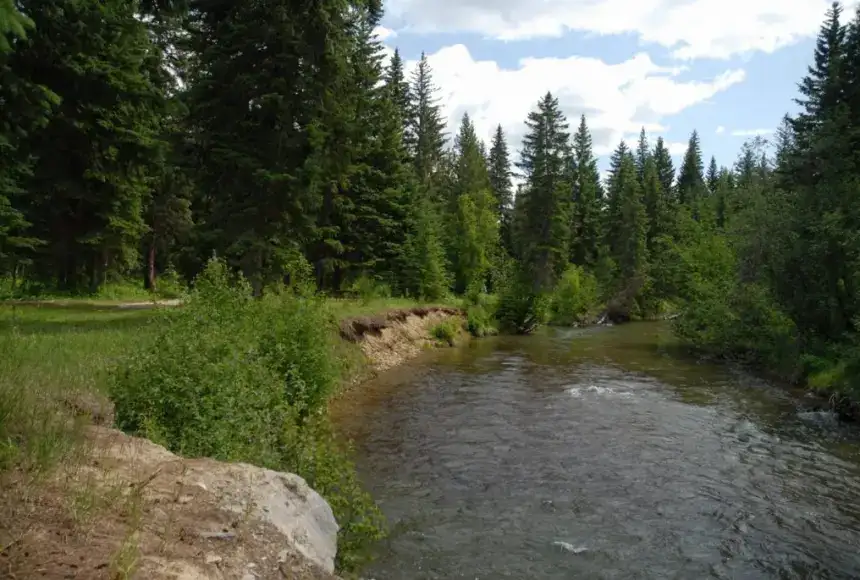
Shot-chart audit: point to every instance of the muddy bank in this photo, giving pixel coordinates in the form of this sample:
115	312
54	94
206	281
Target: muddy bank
391	338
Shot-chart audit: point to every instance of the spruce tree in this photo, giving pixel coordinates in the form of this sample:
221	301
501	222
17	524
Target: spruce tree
375	202
588	194
13	24
425	134
665	169
691	180
643	153
713	176
397	86
88	203
499	168
546	208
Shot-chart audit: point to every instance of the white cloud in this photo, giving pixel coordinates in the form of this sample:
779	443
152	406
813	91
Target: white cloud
751	132
721	130
383	33
617	99
690	28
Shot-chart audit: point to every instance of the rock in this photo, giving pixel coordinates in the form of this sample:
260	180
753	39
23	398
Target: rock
194	513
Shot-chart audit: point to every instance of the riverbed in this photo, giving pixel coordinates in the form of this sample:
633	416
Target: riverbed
601	453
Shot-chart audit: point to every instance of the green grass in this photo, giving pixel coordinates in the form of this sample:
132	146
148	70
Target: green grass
55	360
350	308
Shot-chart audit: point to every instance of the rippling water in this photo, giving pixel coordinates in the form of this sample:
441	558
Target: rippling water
599	454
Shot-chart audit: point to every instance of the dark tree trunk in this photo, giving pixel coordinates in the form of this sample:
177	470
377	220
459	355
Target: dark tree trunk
150	279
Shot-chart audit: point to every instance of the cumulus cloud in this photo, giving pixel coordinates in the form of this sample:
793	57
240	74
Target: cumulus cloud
751	132
617	99
689	28
383	33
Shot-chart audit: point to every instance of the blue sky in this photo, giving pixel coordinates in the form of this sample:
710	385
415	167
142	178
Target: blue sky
724	67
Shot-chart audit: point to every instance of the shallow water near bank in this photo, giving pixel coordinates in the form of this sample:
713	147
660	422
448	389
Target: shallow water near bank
601	453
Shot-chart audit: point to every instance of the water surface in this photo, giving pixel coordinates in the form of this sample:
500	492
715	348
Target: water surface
601	453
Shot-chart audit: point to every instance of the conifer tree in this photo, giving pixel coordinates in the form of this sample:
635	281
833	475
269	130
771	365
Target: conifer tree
712	176
398	86
665	169
425	127
499	168
691	180
588	194
13	24
546	209
88	204
643	152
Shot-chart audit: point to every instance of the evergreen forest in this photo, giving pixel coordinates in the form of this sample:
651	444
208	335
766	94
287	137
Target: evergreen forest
140	138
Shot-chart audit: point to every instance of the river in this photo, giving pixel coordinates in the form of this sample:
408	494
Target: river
600	453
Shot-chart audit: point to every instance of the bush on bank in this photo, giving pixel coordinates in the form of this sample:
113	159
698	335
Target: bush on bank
240	379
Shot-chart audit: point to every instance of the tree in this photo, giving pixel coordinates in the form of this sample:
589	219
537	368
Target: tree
546	208
475	232
92	59
588	194
665	169
643	153
713	176
691	181
425	127
398	87
499	169
13	24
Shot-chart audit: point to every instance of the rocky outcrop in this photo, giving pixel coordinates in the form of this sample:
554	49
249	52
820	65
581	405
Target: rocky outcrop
391	338
134	504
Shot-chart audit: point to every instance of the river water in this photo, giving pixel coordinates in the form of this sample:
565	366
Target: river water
601	453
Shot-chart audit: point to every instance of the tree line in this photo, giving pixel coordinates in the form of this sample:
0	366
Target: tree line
140	138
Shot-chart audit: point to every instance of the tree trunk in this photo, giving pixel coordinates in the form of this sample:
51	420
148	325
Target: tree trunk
150	280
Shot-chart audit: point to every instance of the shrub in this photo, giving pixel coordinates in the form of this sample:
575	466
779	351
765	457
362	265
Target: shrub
445	332
369	289
480	315
575	295
239	379
521	309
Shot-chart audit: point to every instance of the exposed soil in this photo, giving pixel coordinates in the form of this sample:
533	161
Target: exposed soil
391	338
134	510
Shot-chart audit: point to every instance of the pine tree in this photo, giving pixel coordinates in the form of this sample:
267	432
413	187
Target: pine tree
713	176
499	168
588	194
426	126
13	24
656	205
546	207
643	153
375	202
691	180
665	169
88	203
398	87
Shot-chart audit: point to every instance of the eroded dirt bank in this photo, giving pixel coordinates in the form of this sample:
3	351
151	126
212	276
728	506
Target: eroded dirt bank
391	338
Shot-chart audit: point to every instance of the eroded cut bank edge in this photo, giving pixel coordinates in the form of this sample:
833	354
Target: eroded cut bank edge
391	338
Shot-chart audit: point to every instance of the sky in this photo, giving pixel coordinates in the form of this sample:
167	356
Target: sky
727	68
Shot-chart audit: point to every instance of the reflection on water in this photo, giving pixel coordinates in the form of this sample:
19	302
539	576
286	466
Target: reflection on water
601	453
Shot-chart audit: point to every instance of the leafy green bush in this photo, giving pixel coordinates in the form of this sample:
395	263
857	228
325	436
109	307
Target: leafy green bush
521	310
369	289
480	318
239	379
743	324
446	332
575	295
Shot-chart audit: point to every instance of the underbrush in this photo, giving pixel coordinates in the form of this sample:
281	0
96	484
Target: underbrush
238	379
446	332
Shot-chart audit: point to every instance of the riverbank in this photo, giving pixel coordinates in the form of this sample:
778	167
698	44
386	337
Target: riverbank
98	512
